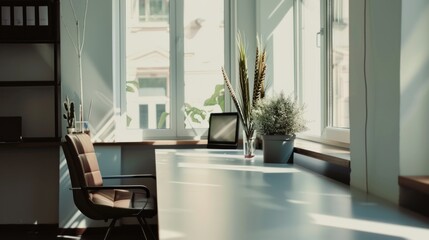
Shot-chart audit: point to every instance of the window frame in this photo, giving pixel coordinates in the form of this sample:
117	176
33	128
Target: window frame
176	130
329	134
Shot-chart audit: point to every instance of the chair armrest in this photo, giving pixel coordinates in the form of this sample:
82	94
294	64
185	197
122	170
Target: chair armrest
141	187
130	176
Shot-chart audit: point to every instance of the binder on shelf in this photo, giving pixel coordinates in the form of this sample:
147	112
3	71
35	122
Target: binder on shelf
43	16
18	16
30	15
5	16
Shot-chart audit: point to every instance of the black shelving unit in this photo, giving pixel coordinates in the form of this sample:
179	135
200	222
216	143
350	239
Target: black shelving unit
28	24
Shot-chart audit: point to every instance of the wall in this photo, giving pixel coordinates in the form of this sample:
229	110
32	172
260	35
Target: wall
274	18
383	99
28	183
97	63
414	88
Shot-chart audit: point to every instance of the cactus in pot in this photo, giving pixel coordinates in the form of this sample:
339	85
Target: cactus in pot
69	115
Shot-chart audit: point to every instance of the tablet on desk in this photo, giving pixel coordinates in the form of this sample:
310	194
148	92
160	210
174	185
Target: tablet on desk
223	130
10	129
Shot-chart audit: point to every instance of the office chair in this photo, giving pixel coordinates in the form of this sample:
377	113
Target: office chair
223	130
101	202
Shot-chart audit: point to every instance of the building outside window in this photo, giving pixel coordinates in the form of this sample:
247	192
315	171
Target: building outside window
172	54
153	10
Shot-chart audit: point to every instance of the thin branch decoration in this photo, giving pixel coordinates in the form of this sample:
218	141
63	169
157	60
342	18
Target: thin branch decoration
245	101
78	45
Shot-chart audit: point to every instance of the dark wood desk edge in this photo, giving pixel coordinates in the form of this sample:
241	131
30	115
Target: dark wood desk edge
29	144
332	154
414	193
418	183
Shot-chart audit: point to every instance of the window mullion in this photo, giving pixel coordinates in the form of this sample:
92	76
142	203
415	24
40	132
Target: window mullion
230	51
326	61
298	90
177	64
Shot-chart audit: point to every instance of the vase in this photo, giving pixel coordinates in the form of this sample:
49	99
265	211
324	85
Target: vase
278	148
70	130
249	145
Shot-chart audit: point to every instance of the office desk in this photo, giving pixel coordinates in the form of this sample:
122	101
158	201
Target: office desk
215	194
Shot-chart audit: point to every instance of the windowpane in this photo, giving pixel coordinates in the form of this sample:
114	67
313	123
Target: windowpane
310	65
161	115
144	116
340	64
147	64
156	86
203	57
153	10
172	69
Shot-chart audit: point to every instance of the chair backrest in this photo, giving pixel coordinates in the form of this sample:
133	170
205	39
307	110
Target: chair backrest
223	130
84	171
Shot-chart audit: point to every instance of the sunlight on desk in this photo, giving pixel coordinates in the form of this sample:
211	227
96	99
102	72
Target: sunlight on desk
216	194
238	168
388	229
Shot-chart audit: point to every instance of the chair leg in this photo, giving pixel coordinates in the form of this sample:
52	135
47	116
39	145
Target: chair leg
142	222
111	226
150	230
142	227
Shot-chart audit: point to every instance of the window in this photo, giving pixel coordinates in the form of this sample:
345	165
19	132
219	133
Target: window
153	10
171	52
339	61
323	58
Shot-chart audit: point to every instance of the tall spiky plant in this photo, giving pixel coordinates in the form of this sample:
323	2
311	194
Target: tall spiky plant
246	101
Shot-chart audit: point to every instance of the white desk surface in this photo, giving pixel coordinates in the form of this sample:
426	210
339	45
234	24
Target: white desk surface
216	194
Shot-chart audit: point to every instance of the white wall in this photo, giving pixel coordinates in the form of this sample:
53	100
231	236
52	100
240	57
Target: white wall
414	134
275	27
383	81
96	61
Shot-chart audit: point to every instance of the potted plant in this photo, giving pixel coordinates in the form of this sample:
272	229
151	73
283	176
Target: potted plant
69	115
78	42
245	101
278	119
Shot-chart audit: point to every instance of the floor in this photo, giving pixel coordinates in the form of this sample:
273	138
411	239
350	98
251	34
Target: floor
132	233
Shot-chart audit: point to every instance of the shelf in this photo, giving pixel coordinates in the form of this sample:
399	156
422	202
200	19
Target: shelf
31	144
27	83
29	21
41	140
30	33
28	41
